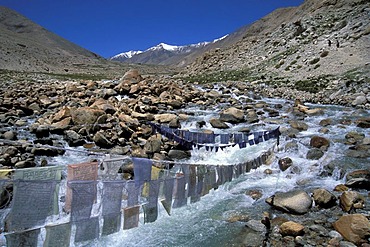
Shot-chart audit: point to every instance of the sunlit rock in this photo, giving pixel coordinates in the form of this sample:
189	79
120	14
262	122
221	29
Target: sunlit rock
295	201
353	227
324	198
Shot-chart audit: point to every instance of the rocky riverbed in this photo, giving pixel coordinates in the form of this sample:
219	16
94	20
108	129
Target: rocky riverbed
40	117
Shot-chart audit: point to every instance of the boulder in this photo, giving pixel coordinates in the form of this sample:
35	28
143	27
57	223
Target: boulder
353	227
59	127
132	75
351	200
218	124
178	154
364	123
103	105
319	142
295	201
86	115
323	198
165	118
354	137
42	131
10	135
153	145
359	179
61	114
301	126
360	100
73	138
285	163
314	154
291	228
232	115
102	141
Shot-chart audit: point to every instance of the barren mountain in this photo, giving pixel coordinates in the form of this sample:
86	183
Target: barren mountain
317	38
26	46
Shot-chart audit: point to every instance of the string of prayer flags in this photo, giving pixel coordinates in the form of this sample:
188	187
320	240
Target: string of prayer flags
190	139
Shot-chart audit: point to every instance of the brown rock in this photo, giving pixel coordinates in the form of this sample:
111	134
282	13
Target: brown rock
301	126
62	114
86	115
350	200
285	163
291	228
132	74
341	187
232	115
255	194
353	227
323	198
319	142
217	123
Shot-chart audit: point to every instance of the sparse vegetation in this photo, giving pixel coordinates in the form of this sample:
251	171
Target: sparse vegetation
324	53
315	60
233	75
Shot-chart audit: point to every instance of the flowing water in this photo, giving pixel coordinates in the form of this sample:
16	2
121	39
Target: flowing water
205	223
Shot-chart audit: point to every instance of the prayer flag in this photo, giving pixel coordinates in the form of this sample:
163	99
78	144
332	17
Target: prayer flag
58	235
32	203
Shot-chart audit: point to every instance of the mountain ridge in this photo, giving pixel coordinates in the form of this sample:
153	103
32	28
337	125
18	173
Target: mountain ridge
166	53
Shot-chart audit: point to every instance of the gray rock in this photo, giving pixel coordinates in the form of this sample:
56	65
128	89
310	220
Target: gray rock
73	138
256	225
10	135
295	201
178	154
360	100
314	154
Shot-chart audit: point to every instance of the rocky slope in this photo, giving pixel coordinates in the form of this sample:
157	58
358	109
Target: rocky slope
318	38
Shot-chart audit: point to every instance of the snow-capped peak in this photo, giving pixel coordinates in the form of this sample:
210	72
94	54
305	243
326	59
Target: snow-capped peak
164	46
127	54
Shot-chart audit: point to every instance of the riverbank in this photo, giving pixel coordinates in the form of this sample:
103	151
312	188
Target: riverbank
41	116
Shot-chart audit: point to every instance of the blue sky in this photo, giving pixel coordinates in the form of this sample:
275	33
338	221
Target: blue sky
114	26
